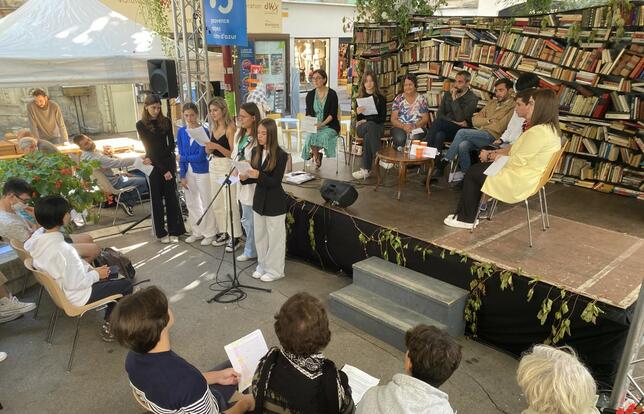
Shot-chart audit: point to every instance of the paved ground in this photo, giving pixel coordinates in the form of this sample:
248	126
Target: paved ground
33	378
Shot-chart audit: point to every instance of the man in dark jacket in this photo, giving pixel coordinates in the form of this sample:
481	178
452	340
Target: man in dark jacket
455	112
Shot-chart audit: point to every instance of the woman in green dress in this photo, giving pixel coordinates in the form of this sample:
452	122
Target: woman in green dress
321	103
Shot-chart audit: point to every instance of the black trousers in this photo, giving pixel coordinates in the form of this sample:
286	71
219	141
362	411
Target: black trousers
109	287
441	130
371	132
471	193
165	205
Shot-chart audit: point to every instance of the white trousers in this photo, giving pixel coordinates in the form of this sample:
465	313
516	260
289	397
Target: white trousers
270	241
219	167
197	199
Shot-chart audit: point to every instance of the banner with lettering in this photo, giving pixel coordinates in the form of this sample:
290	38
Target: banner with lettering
225	22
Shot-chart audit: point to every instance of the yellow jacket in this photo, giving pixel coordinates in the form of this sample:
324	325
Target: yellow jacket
529	157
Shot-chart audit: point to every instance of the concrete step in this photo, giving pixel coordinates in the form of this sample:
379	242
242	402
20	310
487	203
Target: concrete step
425	295
376	315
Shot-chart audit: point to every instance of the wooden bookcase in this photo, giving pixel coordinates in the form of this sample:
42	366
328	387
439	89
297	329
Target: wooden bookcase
599	79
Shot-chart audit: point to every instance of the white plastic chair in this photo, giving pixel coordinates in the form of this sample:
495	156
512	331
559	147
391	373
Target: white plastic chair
106	186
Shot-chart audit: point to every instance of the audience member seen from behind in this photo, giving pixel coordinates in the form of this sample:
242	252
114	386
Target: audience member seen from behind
155	131
28	145
408	113
222	141
195	178
528	159
322	104
80	282
432	357
370	127
17	221
296	378
159	377
268	163
245	141
45	119
107	164
554	381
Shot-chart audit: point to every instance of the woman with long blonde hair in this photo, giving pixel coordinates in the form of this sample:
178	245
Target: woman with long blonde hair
222	141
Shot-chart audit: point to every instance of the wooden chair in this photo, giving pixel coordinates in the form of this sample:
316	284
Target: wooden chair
60	300
106	186
541	190
288	132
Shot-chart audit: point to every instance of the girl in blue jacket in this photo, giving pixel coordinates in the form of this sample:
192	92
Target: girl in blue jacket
195	179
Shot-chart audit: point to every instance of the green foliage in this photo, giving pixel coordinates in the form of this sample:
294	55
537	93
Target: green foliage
591	312
312	233
290	220
399	12
56	174
155	14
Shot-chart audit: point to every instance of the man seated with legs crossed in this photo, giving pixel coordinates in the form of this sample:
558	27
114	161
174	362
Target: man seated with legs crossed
489	123
90	153
455	112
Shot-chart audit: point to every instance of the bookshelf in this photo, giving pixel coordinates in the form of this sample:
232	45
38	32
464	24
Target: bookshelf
598	78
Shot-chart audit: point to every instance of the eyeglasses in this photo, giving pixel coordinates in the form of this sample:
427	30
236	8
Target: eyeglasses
317	77
24	200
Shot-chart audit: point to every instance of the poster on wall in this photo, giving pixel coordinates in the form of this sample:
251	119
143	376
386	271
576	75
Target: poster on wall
247	59
264	16
271	56
225	22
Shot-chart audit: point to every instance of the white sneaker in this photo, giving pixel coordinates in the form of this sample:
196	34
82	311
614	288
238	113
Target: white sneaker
452	221
192	239
165	240
386	165
256	275
244	258
3	356
174	239
267	277
361	174
207	241
10	317
10	306
456	177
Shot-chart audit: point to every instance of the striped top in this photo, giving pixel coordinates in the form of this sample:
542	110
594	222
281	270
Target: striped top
167	384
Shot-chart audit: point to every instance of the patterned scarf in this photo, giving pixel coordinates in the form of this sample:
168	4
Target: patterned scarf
310	366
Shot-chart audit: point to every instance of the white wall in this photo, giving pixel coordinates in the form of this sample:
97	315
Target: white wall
485	8
317	20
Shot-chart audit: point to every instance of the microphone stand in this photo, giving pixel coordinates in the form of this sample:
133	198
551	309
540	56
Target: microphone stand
235	289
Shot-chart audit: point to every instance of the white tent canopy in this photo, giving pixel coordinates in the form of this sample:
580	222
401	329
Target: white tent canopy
73	42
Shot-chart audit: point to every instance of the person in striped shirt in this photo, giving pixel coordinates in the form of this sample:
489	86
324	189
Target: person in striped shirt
161	379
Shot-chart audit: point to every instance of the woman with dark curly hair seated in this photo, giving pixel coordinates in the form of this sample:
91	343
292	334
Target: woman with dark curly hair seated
296	378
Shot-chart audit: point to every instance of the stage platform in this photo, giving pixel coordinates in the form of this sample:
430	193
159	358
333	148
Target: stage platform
594	249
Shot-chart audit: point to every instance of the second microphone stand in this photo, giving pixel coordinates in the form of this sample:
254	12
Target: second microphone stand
234	293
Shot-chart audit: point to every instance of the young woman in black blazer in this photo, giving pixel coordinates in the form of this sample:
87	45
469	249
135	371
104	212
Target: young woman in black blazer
269	202
321	103
155	131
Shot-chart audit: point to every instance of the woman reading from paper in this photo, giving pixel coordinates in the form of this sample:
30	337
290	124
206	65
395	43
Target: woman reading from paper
160	378
370	126
222	140
245	141
155	131
195	179
268	162
528	159
321	103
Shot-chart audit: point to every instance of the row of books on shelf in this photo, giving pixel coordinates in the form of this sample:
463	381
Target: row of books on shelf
599	186
604	150
381	64
374	35
576	167
368	49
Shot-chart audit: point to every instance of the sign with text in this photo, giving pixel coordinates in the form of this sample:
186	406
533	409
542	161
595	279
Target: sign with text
225	22
264	16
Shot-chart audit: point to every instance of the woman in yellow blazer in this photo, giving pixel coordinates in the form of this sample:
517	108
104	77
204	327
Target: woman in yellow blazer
529	157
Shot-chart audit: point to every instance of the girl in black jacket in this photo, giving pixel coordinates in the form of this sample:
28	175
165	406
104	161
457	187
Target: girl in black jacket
370	127
155	131
269	202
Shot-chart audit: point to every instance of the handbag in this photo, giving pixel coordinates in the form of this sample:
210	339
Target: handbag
111	257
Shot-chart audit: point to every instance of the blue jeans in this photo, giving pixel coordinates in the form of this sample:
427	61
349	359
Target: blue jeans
441	130
399	136
131	197
467	140
248	225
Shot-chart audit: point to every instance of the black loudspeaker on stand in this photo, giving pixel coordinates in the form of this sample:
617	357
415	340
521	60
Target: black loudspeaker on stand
338	193
235	291
163	78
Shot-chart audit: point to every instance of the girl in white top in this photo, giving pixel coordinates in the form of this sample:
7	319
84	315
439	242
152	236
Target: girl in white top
246	140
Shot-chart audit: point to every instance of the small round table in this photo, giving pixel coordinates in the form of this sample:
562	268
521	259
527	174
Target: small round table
389	154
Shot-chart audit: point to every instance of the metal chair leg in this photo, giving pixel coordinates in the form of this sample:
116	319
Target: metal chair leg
527	210
38	301
71	356
52	326
545	204
140	198
116	210
543	217
492	209
476	217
